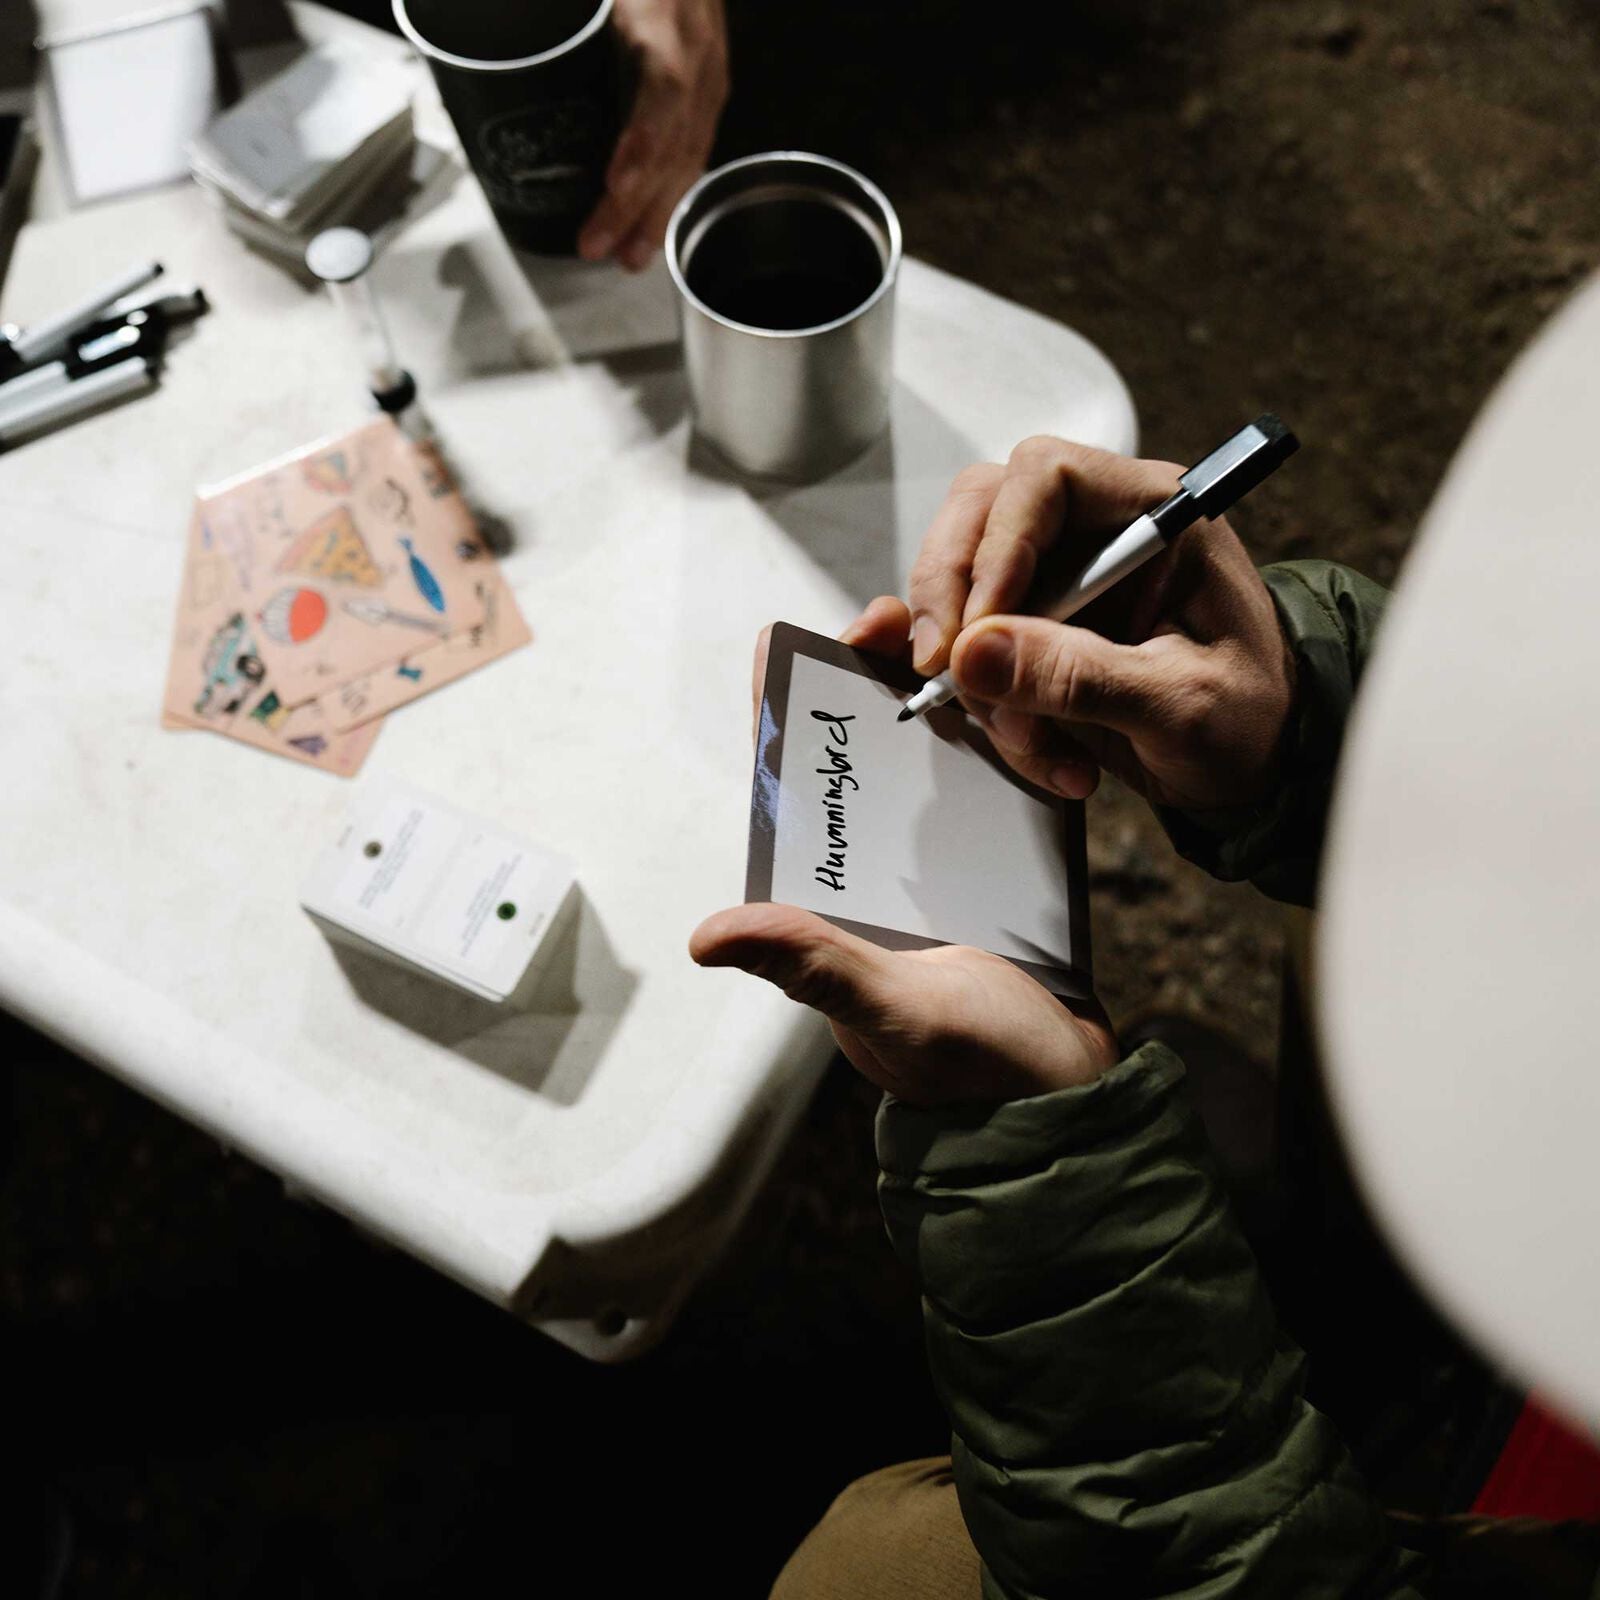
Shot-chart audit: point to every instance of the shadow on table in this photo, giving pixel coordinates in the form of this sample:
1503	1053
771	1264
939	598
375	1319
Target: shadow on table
496	529
548	1039
652	376
863	523
595	314
845	522
482	342
599	310
625	322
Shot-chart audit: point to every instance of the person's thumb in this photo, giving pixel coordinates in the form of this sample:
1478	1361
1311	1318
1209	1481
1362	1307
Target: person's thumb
807	957
1051	669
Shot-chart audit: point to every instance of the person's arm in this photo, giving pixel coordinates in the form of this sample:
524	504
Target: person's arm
1330	617
1127	1417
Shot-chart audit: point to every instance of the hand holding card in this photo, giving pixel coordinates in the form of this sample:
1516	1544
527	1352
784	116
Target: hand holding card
926	1018
930	1026
911	837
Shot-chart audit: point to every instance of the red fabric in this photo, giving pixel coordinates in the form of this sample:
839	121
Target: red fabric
1547	1469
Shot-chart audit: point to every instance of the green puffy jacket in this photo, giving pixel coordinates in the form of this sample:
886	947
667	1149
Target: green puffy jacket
1127	1417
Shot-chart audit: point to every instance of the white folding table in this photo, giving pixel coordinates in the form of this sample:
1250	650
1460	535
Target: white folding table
578	1165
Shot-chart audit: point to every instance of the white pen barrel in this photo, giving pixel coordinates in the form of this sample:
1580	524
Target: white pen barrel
41	338
82	394
23	390
934	693
1130	549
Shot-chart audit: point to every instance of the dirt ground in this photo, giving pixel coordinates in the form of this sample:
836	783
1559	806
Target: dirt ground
1352	215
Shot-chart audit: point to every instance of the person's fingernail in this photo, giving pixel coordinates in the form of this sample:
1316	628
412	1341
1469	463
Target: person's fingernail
1071	781
595	246
989	663
1011	727
925	639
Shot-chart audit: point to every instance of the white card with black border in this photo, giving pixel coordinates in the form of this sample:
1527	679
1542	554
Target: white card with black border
910	834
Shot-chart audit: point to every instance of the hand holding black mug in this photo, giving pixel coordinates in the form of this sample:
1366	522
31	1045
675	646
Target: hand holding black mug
540	93
680	51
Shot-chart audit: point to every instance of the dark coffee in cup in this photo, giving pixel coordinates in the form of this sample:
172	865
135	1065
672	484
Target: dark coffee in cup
786	262
536	90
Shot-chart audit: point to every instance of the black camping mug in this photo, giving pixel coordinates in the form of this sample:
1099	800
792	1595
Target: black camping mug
537	91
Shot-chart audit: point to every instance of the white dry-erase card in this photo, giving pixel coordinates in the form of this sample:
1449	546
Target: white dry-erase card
417	881
127	98
911	834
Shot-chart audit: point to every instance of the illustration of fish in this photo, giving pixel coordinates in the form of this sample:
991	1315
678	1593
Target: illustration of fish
427	584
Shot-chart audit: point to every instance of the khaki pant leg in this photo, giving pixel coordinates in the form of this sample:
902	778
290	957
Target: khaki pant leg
893	1535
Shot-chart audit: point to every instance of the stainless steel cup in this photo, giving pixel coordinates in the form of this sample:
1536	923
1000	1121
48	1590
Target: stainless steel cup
785	265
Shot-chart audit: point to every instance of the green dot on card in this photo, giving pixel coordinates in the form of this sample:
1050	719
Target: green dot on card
505	911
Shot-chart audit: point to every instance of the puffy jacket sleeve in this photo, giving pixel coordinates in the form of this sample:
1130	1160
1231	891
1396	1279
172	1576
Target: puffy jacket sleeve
1330	617
1127	1419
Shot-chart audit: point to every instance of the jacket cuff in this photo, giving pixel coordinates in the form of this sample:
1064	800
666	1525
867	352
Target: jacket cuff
1328	616
973	1142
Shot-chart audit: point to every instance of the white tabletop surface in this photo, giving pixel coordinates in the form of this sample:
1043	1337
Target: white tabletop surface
148	912
1462	889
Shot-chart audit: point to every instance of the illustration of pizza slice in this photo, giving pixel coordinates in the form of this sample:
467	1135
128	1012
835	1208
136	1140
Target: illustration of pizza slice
333	548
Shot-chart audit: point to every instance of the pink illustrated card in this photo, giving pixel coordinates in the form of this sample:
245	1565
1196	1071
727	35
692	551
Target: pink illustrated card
217	679
305	736
322	591
375	693
344	558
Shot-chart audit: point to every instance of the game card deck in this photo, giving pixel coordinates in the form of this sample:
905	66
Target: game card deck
427	886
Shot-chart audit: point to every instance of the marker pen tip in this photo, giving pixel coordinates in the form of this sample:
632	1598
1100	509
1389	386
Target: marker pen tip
906	714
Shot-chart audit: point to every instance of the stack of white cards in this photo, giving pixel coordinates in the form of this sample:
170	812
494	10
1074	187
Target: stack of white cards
311	148
419	883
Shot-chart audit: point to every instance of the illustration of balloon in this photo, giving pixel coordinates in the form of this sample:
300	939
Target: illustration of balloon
292	616
427	584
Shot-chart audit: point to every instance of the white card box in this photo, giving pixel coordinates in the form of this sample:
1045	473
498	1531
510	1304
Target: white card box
418	882
128	98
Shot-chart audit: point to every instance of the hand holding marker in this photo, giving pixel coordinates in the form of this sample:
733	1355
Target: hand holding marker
1206	490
